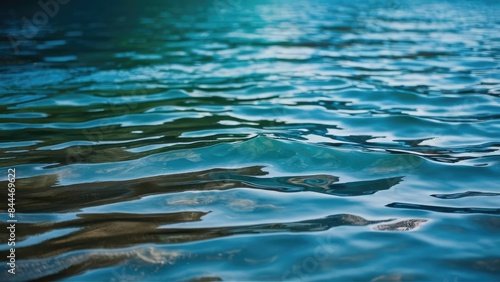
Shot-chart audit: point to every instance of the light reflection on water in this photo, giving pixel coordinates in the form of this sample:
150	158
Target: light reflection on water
254	140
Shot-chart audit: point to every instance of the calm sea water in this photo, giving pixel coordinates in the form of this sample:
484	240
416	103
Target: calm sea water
236	140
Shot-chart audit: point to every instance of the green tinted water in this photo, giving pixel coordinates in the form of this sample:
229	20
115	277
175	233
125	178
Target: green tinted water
253	141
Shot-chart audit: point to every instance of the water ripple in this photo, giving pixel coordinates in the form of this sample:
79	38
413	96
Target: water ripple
167	140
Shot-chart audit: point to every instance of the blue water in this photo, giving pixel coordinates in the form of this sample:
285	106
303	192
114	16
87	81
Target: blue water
263	140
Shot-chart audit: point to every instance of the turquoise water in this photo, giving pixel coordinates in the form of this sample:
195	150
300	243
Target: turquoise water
252	140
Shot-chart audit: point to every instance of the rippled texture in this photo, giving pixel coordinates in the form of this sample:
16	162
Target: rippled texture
253	141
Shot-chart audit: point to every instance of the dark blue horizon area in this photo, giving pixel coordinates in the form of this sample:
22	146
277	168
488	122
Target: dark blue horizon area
231	140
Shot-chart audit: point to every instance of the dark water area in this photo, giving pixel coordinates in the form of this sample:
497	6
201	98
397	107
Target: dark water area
236	140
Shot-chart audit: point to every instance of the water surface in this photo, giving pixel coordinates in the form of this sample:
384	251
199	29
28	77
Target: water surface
253	140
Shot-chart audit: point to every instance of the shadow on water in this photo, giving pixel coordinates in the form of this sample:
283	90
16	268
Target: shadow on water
60	257
324	184
444	209
125	230
74	197
132	127
464	194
